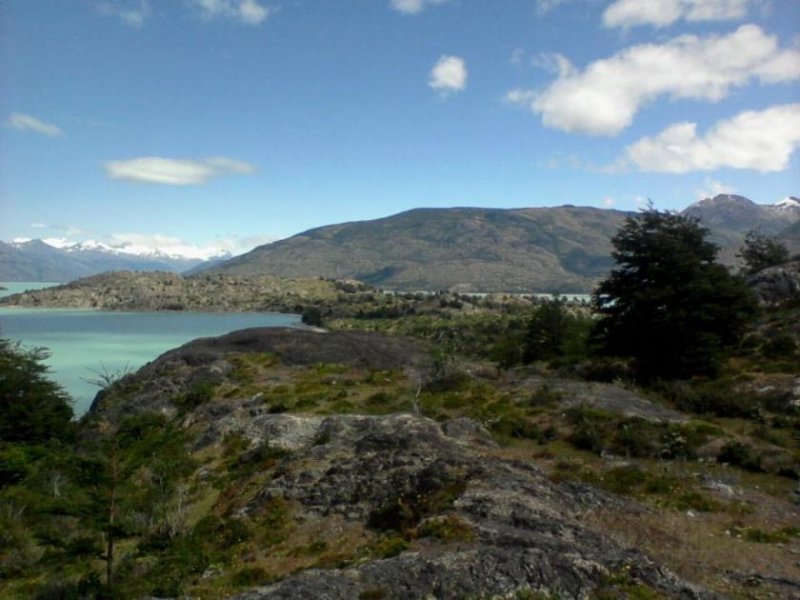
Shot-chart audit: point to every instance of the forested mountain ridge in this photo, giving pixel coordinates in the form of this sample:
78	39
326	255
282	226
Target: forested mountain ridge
461	249
563	249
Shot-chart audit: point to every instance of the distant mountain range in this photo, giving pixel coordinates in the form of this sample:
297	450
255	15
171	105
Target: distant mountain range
38	260
730	217
562	249
461	249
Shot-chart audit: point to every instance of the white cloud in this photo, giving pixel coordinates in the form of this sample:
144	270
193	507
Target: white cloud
545	6
252	12
249	12
412	7
448	75
554	63
711	188
758	140
604	98
170	171
608	202
660	13
23	122
131	12
69	230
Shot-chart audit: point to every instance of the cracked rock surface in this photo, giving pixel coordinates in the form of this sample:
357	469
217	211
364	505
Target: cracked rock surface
402	470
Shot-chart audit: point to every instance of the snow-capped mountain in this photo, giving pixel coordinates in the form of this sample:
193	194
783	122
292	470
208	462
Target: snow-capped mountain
169	249
729	217
60	259
789	203
730	212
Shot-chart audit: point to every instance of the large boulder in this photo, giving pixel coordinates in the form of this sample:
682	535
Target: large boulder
778	285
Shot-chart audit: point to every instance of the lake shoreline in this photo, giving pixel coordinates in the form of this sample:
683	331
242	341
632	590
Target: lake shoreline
80	343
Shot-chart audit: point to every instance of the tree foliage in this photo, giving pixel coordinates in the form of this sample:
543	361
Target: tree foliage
32	408
669	305
132	478
554	332
761	251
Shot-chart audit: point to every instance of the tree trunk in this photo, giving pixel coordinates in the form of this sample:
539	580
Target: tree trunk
110	528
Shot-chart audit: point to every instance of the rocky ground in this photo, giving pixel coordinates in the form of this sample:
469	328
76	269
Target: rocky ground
359	474
487	527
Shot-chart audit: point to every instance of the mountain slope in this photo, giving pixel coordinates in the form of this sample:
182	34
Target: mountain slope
728	212
730	217
38	264
464	249
790	237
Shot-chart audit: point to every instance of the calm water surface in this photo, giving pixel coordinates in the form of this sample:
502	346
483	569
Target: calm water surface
84	342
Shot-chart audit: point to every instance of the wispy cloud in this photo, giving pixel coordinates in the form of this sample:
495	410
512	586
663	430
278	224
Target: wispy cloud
249	12
711	188
170	171
23	122
660	13
145	243
131	12
545	6
448	75
69	230
412	7
604	98
759	140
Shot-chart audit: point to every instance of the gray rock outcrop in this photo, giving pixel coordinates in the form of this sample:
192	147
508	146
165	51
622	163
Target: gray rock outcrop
778	285
398	471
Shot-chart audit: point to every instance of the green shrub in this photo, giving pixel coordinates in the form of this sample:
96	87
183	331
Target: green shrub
250	577
740	455
636	437
199	394
389	546
312	316
780	346
516	427
715	397
448	528
405	512
624	480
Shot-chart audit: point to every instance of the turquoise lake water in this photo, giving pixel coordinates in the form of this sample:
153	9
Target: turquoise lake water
84	342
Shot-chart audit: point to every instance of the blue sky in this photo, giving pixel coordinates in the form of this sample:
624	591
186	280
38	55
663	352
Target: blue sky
229	122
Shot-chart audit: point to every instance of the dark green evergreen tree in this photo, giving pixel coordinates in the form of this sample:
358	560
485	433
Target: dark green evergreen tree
131	477
33	409
761	251
36	431
669	305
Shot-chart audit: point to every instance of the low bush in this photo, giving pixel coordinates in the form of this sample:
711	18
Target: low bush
740	455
